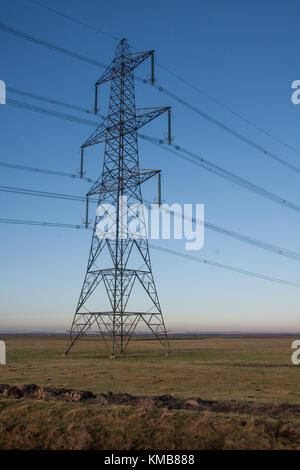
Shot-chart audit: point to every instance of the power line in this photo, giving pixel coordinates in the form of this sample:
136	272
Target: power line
213	168
48	100
50	45
253	241
13	166
172	95
231	131
50	112
221	230
177	76
63	196
239	236
224	231
43	224
224	266
163	250
52	195
45	99
104	33
176	149
227	108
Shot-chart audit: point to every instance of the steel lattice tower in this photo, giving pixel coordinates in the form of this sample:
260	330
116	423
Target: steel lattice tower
128	258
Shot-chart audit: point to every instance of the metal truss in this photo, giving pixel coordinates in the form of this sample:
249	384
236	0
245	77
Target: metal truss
129	258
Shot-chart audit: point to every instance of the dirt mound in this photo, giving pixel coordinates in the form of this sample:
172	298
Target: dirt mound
161	401
43	393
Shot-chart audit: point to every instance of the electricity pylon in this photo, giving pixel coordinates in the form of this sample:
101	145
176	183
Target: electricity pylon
127	261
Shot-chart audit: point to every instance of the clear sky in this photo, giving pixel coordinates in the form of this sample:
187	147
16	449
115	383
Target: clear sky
244	54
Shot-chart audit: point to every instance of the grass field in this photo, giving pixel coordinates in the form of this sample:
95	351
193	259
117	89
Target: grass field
246	369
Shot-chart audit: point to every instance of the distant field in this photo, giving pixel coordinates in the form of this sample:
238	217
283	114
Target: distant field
219	368
246	369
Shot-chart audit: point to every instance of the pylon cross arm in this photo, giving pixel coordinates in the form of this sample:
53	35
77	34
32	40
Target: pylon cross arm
131	179
143	119
141	176
105	134
117	67
100	129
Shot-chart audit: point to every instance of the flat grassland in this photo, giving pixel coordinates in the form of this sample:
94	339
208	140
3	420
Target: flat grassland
245	369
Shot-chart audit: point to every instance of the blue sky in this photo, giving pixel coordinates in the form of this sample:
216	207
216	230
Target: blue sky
242	53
